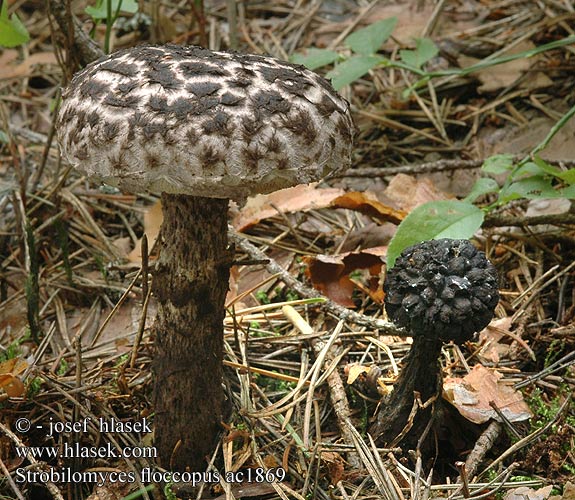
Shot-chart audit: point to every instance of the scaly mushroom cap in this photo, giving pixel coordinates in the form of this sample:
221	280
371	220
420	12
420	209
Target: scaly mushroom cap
188	120
445	289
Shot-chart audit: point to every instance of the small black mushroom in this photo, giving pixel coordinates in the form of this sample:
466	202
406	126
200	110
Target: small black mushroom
439	291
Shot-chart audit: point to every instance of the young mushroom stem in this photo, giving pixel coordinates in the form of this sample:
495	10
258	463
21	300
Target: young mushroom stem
190	283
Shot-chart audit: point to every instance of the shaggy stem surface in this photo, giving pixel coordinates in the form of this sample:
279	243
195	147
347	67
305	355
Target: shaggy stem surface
190	283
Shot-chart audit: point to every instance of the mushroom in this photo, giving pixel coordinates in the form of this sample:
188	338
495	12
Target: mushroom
439	291
199	127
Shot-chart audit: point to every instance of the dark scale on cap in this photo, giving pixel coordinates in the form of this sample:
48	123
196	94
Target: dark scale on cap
94	89
239	81
230	99
274	145
301	124
430	293
152	128
271	101
209	157
241	116
249	128
93	118
110	130
114	66
217	124
162	74
326	106
252	155
181	107
194	69
202	106
158	103
127	87
203	89
121	101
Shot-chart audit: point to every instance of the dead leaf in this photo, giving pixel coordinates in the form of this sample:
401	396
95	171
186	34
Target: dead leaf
368	205
354	371
9	381
526	493
152	222
408	192
411	21
309	197
503	76
296	199
493	349
335	465
473	394
10	69
330	273
568	492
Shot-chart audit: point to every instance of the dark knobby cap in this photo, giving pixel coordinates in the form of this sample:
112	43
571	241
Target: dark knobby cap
444	289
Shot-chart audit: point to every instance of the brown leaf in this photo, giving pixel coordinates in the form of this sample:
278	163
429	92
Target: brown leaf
330	273
10	70
309	197
408	192
503	76
362	202
9	381
474	395
296	199
526	493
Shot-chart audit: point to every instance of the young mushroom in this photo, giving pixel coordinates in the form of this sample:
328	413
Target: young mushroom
199	127
439	291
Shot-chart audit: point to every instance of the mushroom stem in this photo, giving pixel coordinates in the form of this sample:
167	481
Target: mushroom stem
421	374
190	283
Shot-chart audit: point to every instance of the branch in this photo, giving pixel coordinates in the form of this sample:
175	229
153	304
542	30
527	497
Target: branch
86	48
305	291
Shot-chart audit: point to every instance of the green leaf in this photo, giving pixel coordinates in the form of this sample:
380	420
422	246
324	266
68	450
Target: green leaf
100	11
566	175
369	40
482	186
425	50
528	169
568	192
12	31
434	220
533	187
315	58
352	69
498	164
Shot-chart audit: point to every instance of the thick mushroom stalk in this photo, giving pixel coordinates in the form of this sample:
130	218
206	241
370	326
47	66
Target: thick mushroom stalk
199	127
439	291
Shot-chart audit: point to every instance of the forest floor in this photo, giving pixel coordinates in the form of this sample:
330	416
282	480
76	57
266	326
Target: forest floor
303	378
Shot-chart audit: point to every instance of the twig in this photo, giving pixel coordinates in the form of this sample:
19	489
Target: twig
530	438
305	291
496	220
87	49
428	167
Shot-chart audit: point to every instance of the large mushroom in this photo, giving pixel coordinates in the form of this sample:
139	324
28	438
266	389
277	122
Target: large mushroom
199	127
440	291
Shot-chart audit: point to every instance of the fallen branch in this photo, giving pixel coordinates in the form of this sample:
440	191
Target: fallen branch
307	292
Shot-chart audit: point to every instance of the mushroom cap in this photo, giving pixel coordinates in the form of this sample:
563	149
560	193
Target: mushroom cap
443	289
181	119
